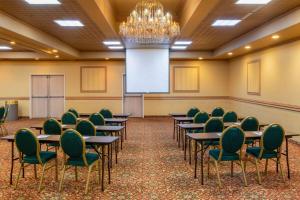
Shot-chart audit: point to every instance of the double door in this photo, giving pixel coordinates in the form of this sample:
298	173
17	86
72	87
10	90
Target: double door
47	96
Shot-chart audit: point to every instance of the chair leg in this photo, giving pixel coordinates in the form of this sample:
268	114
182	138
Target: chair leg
99	171
218	174
281	171
76	174
18	177
35	173
56	169
257	170
88	180
42	177
62	178
266	166
244	174
245	162
208	166
231	171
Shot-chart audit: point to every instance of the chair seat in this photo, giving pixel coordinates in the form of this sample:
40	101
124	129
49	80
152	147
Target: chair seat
266	154
211	143
53	144
249	141
90	158
225	157
45	157
101	133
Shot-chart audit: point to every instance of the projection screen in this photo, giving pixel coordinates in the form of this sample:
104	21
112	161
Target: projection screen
147	70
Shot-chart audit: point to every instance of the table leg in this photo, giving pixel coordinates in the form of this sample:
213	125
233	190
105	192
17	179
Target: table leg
287	156
125	130
195	158
121	132
179	136
108	164
174	128
202	155
185	140
12	162
116	151
102	166
190	153
110	156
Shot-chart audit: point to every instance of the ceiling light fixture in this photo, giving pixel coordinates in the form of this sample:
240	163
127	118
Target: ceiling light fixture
5	48
253	1
178	47
57	56
183	42
247	47
116	47
70	23
54	51
12	42
275	37
226	22
200	58
106	58
111	42
41	2
149	24
230	53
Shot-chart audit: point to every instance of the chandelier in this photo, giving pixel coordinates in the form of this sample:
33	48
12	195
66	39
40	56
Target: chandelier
148	24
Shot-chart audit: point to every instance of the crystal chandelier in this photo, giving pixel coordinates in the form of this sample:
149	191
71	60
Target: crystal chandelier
148	24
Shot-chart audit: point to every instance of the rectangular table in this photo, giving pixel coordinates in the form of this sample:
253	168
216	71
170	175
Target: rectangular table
202	137
102	141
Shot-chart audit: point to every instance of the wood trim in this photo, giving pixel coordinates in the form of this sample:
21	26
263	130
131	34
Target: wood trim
186	91
259	78
14	98
185	97
93	91
93	98
268	104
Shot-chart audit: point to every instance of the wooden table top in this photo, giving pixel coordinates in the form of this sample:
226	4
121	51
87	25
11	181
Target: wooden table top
183	119
201	125
98	128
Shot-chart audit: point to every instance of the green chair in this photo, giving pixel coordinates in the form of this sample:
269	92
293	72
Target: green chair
30	153
72	110
74	150
106	113
231	143
250	124
217	112
230	117
3	116
98	120
69	118
200	118
213	125
52	127
192	112
269	148
86	128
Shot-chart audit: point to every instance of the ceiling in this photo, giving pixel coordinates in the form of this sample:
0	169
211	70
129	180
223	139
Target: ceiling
101	19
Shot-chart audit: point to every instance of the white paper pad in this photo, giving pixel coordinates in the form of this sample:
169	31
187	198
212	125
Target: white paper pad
237	123
85	137
258	133
42	136
219	134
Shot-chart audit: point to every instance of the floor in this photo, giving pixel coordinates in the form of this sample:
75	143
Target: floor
150	166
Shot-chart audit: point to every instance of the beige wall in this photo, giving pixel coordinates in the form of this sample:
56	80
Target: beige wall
280	83
16	84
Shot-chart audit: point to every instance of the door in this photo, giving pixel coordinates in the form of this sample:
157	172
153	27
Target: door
47	96
132	103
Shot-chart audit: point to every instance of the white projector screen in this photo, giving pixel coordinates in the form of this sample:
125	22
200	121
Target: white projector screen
147	70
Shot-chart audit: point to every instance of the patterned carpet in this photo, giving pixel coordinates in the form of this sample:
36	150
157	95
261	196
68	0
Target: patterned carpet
150	166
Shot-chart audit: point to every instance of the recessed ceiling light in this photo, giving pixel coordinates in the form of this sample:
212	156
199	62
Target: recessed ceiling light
226	22
106	58
200	58
247	47
36	58
57	56
116	47
5	48
183	42
253	1
12	42
54	51
69	23
41	2
230	53
111	42
178	47
275	37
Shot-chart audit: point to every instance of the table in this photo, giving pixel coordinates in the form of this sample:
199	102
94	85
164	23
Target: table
122	115
102	141
202	137
174	121
119	121
179	120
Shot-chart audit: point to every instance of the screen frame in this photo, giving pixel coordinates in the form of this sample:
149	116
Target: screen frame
169	74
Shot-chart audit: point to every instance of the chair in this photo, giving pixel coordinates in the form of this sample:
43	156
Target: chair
200	118
74	150
213	125
72	110
30	153
68	118
230	117
269	148
52	127
106	113
86	128
231	143
3	116
250	124
192	112
98	120
217	112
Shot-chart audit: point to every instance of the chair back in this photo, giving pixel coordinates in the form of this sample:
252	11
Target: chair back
86	128
97	119
52	127
201	117
27	143
192	112
214	125
230	117
106	113
72	110
6	112
73	145
232	139
272	138
217	112
69	118
250	124
2	112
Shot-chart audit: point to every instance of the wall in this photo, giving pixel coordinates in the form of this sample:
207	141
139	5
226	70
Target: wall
15	85
279	101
